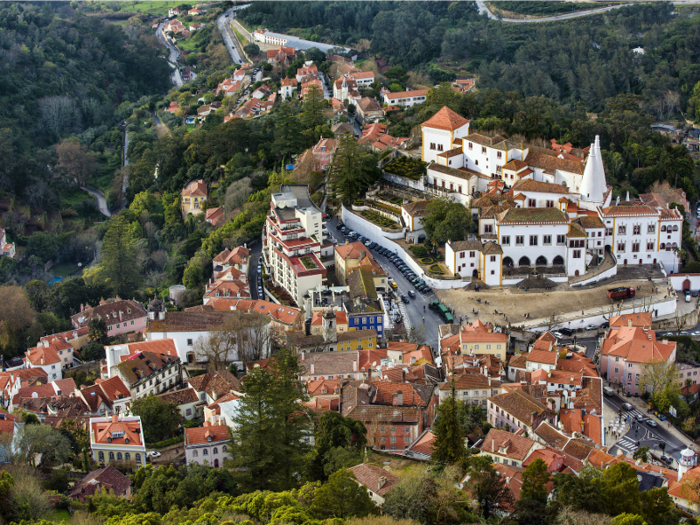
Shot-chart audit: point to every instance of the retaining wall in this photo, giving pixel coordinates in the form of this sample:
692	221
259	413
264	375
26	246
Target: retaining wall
404	181
384	239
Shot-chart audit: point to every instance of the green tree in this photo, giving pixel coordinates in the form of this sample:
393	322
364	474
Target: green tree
353	170
580	493
98	331
288	140
342	497
335	431
445	220
448	447
160	419
535	480
271	424
251	49
642	453
658	507
119	251
45	441
620	489
628	519
488	487
312	113
443	95
43	245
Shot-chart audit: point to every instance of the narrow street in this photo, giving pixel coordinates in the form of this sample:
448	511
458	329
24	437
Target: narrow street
255	251
417	308
224	25
173	57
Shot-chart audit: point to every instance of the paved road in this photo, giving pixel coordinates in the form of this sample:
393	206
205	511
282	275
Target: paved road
417	308
255	251
223	23
647	435
101	201
483	9
173	57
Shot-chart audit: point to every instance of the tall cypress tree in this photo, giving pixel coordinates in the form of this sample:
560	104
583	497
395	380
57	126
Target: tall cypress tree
448	447
271	425
119	258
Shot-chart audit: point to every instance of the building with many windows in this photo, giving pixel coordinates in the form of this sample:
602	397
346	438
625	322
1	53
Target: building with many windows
117	439
293	241
207	445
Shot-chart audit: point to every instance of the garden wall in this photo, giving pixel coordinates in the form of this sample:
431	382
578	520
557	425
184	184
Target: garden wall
379	211
384	239
403	181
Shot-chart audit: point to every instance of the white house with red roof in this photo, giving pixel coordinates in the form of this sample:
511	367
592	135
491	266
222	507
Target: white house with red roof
46	358
121	316
116	354
376	480
627	350
237	258
117	439
193	197
406	98
11	382
8	249
207	445
323	152
287	87
10	433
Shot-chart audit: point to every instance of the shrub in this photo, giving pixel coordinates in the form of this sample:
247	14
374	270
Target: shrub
419	251
167	442
406	167
435	268
427	260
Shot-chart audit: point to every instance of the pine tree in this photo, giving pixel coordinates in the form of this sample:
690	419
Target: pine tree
353	170
119	258
448	447
271	425
288	140
312	111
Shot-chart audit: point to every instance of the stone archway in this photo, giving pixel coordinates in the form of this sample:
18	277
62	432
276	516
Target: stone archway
541	261
507	262
475	273
558	260
524	261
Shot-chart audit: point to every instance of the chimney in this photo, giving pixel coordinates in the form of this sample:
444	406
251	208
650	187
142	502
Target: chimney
395	400
121	315
82	307
303	355
399	396
115	418
312	368
161	315
489	378
206	424
382	482
354	365
369	374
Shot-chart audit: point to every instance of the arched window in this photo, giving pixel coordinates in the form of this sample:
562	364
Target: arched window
205	452
195	453
215	451
119	456
224	448
663	245
675	227
127	456
101	456
111	456
663	228
138	458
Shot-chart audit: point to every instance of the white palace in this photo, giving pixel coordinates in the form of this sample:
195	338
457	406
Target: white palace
538	207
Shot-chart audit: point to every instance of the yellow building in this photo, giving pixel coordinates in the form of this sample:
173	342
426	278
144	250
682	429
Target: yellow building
193	197
354	255
357	340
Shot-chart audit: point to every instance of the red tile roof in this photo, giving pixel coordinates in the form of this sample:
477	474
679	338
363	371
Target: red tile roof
206	433
542	356
107	430
514	447
375	478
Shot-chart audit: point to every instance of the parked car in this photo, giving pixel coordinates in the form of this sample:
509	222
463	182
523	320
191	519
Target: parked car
639	417
566	331
652	423
558	335
694	293
340	224
405	299
412	294
591	327
393	285
152	454
666	459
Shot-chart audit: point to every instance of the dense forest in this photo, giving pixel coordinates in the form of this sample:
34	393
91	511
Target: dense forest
586	60
65	75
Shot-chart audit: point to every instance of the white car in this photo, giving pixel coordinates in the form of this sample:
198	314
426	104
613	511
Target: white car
558	335
153	454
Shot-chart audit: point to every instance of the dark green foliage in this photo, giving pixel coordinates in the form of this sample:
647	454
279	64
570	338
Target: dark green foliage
342	497
445	220
449	447
335	433
160	419
271	423
406	167
354	169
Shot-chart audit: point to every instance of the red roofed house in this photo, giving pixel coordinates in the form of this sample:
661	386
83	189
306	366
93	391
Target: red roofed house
46	358
517	409
406	98
193	197
376	480
305	74
121	316
684	490
107	479
626	350
207	445
323	151
287	87
215	216
281	56
117	439
509	449
106	396
237	258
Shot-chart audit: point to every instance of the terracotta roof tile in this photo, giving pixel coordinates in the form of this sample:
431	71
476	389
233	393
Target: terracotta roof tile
199	435
375	478
503	443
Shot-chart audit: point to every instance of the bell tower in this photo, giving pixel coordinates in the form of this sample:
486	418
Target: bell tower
686	462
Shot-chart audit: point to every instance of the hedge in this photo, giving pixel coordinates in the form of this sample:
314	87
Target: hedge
419	250
427	260
435	268
167	442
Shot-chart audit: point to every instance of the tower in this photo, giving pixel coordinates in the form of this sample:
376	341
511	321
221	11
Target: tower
686	461
329	326
593	184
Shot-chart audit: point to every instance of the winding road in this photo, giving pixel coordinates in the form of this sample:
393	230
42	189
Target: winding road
485	10
173	57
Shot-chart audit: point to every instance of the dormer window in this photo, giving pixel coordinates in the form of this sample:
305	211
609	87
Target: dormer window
208	438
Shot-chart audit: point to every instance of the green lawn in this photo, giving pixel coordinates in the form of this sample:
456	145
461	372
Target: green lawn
64	270
190	127
58	516
149	7
243	40
75	196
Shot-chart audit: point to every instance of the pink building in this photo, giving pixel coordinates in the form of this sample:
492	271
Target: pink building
121	316
627	349
323	151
